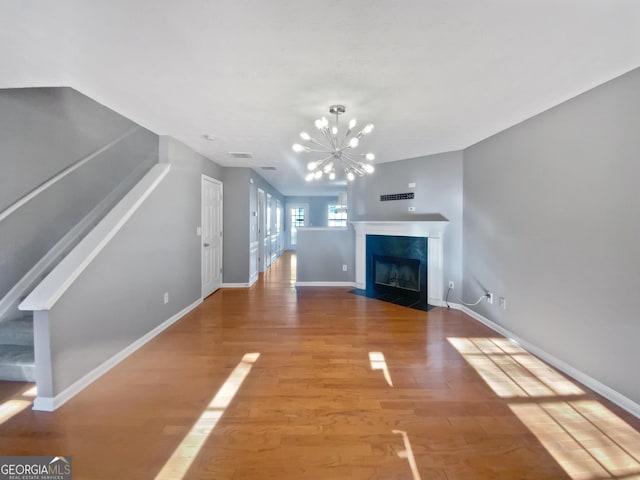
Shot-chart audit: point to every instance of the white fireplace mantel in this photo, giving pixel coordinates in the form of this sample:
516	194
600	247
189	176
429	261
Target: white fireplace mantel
433	230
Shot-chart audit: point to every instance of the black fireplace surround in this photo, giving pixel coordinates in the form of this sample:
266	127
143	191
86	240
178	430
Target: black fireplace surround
396	270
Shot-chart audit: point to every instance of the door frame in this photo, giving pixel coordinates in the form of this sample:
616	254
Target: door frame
206	178
287	212
262	212
268	223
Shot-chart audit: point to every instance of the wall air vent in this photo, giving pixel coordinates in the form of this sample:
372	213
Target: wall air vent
241	154
396	196
268	168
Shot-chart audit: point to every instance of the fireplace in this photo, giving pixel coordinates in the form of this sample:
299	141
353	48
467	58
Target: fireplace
430	228
397	269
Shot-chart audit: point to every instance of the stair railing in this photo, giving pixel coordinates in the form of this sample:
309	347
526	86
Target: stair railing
63	173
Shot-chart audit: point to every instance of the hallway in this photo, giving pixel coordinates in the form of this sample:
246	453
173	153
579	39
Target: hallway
275	382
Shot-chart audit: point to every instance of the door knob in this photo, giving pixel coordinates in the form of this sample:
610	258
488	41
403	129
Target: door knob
207	244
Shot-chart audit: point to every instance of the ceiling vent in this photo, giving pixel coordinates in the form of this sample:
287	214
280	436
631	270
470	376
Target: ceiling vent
241	154
268	168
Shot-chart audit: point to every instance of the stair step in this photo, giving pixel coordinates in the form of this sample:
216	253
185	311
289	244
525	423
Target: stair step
17	363
17	331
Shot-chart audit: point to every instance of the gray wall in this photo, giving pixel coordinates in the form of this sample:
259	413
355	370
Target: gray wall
438	190
552	223
119	297
182	157
318	208
236	225
42	131
322	252
240	225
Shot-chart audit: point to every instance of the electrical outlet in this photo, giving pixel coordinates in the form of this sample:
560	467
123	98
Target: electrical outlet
489	297
451	284
503	303
344	268
166	297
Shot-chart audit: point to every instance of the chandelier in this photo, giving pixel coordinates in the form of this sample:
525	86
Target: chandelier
337	148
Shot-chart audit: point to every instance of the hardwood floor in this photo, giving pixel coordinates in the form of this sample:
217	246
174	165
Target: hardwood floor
344	387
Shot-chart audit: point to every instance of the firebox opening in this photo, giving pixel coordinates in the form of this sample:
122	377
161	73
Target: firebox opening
397	273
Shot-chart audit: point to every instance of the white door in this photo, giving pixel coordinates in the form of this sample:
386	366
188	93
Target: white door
267	235
261	230
296	217
211	235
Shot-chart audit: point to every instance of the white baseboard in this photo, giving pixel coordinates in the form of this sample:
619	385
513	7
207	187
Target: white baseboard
49	404
44	404
590	382
252	280
326	284
66	171
12	299
45	295
236	285
436	302
455	306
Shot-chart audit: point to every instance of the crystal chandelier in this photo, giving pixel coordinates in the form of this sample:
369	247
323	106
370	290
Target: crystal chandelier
337	148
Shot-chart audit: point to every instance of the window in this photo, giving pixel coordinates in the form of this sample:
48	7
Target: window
337	215
296	219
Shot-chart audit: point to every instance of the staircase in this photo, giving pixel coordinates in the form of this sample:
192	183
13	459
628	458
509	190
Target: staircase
90	170
16	349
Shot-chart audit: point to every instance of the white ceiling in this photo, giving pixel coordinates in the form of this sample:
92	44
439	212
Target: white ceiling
432	75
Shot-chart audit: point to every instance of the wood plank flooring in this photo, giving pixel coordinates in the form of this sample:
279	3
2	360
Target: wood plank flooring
342	388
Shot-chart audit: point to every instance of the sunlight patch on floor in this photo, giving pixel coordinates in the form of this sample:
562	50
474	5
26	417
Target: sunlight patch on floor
584	437
178	465
17	403
31	392
294	269
408	453
378	362
511	371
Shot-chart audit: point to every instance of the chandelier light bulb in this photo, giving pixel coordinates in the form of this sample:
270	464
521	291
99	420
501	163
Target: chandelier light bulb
352	123
305	136
328	167
370	156
334	130
332	176
312	165
367	130
318	175
350	176
297	148
319	124
354	142
325	122
309	177
368	168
